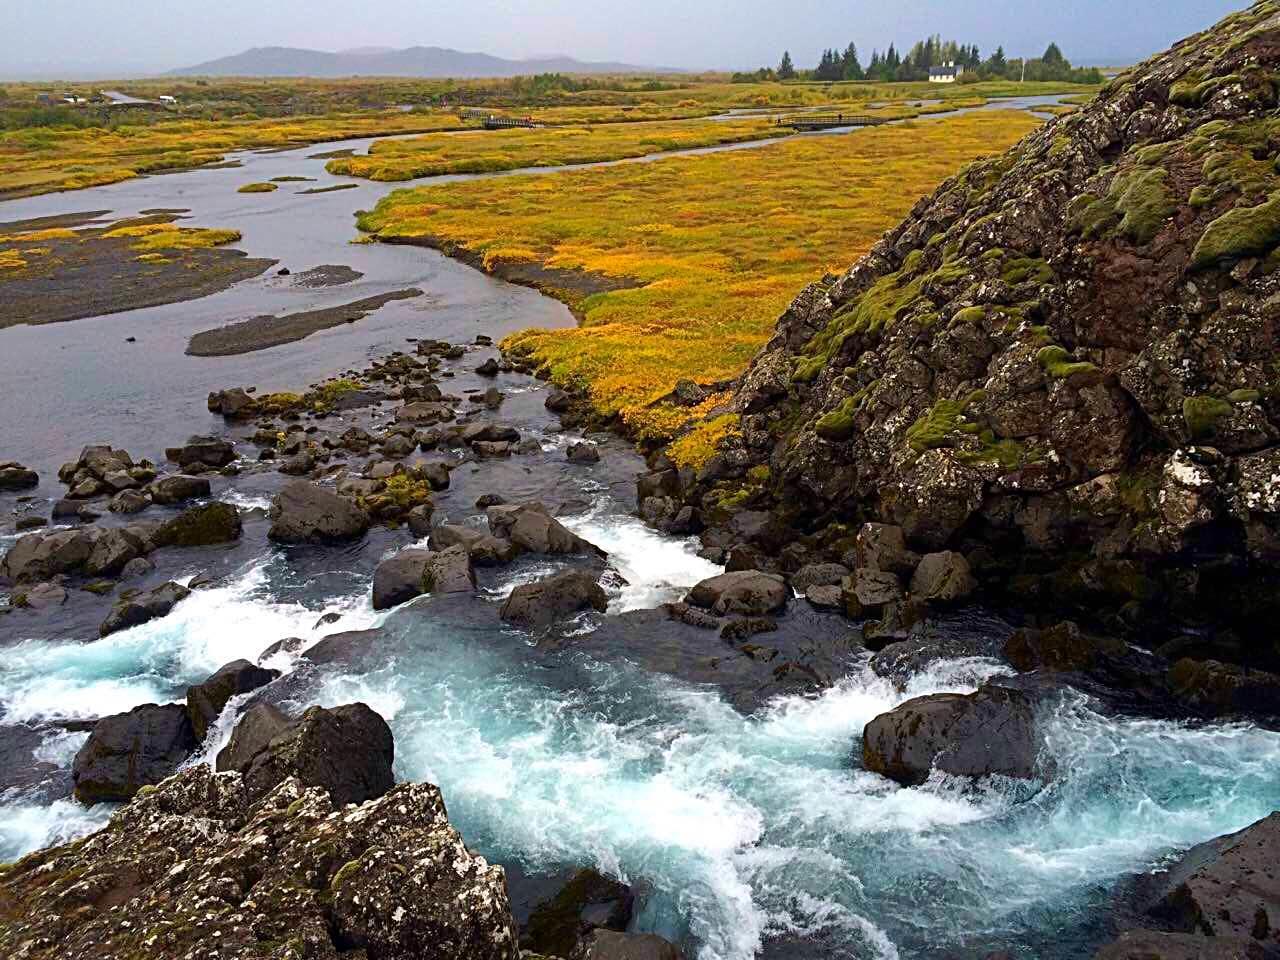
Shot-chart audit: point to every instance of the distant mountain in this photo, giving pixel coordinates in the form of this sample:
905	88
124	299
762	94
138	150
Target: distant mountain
376	62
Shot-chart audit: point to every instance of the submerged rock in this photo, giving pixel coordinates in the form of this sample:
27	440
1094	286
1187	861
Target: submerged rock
990	731
305	513
128	751
347	750
589	901
200	866
533	606
14	476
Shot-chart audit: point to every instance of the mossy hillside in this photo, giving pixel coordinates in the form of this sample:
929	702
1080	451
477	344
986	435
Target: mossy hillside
1239	233
1057	364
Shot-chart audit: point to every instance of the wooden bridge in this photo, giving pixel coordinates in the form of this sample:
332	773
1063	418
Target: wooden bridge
507	123
828	121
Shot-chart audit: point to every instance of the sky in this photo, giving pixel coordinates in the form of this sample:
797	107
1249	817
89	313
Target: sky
114	38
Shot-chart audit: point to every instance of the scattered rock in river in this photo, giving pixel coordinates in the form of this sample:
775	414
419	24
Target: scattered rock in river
534	606
305	513
201	526
990	731
531	527
14	476
747	592
211	452
140	608
206	700
583	453
178	488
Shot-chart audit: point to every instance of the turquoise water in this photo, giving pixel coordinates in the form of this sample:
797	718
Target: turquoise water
751	834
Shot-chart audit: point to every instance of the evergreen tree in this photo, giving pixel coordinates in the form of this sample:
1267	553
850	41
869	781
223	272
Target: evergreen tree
997	65
851	68
1053	57
786	70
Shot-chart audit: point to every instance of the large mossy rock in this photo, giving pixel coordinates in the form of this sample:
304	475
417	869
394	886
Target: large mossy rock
199	865
128	751
202	526
346	750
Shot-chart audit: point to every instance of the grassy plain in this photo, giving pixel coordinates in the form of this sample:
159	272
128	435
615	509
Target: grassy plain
45	159
679	268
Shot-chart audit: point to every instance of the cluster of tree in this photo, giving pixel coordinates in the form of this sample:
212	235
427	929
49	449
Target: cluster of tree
894	66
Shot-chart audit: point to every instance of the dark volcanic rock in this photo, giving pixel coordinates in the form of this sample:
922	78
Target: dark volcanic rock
211	451
143	607
397	881
942	578
1210	687
748	592
305	513
1059	364
398	579
610	945
1153	945
201	526
206	700
533	606
177	488
484	549
588	902
531	527
584	453
347	750
1228	887
128	751
991	731
1063	648
14	476
39	556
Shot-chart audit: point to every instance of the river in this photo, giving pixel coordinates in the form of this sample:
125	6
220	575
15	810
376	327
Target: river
752	833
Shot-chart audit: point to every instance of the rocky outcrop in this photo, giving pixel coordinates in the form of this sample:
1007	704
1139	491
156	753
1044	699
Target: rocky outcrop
128	751
200	865
1058	366
991	731
346	750
101	470
537	605
564	924
305	513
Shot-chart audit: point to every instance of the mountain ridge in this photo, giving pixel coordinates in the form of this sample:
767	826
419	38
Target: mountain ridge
416	61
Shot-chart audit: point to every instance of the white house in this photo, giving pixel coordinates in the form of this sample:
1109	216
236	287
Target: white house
947	73
165	98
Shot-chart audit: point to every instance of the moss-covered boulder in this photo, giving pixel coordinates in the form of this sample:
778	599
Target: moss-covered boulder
202	526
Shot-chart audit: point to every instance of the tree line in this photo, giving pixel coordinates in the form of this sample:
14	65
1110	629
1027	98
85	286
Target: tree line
894	66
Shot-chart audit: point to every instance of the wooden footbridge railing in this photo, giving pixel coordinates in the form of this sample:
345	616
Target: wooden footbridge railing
828	121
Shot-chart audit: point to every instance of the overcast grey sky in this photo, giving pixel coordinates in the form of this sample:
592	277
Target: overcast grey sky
48	36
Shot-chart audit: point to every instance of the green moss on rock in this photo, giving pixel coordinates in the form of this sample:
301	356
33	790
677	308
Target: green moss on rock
1057	364
1202	415
1238	233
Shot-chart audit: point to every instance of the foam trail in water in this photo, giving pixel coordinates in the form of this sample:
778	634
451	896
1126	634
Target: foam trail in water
154	661
658	569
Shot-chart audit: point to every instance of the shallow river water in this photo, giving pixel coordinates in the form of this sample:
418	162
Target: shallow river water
749	834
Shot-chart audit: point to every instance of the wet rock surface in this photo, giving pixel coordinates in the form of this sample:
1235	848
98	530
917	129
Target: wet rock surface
346	750
991	731
129	751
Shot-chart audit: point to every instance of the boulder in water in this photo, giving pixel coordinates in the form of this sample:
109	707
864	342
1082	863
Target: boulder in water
14	476
943	577
748	592
1212	688
177	488
39	556
347	750
304	513
206	700
210	451
127	751
990	731
1158	945
531	527
589	901
143	607
583	453
202	526
534	606
398	579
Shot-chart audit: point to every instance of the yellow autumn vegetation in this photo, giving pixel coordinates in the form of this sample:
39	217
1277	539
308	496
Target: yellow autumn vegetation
154	237
710	248
44	159
491	151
